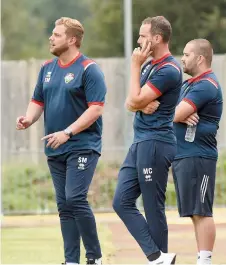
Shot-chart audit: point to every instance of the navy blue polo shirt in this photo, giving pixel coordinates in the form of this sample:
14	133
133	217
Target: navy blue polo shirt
164	76
204	94
65	92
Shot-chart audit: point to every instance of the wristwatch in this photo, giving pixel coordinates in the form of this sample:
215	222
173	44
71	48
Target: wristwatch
68	132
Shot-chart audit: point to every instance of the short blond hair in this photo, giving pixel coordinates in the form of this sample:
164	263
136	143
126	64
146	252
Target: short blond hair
73	28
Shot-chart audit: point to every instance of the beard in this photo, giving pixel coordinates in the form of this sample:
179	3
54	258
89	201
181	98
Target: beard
189	71
186	70
58	51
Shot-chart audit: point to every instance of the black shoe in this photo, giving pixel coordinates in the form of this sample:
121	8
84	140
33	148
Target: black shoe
94	261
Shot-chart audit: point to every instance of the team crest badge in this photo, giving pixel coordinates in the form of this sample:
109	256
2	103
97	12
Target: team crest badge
69	77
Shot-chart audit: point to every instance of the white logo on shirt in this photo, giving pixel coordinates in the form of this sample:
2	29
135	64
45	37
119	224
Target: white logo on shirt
145	69
48	76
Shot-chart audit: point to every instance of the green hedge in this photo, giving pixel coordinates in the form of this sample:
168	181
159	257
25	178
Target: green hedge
26	188
29	188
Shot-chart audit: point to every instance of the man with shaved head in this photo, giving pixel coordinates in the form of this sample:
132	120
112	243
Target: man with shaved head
196	122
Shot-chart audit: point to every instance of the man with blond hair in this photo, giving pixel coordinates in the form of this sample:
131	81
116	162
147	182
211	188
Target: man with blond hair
196	123
71	91
145	169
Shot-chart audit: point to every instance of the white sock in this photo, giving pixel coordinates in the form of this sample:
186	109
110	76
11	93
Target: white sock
205	255
71	263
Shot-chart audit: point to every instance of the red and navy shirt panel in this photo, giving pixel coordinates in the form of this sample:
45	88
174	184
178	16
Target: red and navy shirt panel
164	77
66	92
204	94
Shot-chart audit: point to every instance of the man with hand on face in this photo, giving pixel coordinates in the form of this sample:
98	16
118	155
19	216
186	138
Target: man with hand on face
196	123
145	169
71	92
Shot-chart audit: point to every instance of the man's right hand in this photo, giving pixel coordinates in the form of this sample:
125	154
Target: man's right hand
151	107
193	119
23	123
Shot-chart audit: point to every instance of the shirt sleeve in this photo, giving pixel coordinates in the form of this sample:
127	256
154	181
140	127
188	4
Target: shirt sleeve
38	97
95	87
201	93
165	78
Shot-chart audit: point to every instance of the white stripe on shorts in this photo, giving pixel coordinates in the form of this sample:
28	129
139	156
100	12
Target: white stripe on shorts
203	187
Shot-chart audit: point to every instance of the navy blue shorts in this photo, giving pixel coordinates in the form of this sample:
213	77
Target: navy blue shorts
194	179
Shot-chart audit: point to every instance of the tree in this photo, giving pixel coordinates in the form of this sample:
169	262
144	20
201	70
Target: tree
104	29
26	31
27	25
51	10
190	19
23	34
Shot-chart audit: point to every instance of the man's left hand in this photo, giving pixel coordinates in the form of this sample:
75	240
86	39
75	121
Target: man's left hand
54	140
193	119
140	55
151	107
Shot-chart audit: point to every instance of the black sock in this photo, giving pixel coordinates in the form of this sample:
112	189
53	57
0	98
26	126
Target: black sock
154	256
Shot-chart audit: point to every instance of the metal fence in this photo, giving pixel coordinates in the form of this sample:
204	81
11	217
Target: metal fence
26	182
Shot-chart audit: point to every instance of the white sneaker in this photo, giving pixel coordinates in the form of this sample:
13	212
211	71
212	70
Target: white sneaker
204	262
164	259
98	261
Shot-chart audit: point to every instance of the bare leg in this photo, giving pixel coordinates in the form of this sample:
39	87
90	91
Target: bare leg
205	233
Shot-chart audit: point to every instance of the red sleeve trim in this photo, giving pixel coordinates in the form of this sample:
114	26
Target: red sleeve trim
190	103
96	103
156	90
37	102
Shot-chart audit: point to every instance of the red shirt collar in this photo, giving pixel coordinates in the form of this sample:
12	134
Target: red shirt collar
70	63
193	79
161	59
